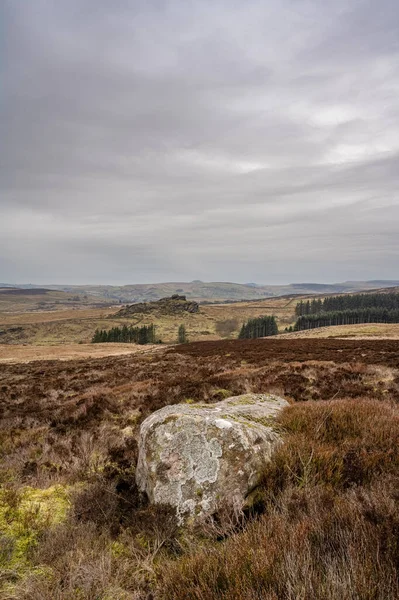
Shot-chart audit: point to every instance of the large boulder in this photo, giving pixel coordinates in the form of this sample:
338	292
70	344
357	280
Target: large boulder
174	305
197	457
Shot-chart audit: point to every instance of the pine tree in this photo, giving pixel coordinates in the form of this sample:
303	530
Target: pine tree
182	334
259	327
96	337
137	335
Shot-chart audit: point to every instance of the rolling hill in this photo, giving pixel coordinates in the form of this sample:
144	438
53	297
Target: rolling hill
200	291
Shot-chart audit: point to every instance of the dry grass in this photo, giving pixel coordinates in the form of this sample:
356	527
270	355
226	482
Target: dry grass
370	331
62	314
72	326
282	308
21	354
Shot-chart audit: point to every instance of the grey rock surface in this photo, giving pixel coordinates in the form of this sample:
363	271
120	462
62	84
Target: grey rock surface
175	305
196	457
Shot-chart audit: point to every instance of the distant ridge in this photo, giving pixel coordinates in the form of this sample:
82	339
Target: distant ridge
222	291
15	291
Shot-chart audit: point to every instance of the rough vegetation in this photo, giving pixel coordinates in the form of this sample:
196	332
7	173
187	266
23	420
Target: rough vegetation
324	524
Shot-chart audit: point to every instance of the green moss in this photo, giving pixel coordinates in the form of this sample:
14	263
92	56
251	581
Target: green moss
251	421
236	418
247	399
118	549
266	421
24	515
222	393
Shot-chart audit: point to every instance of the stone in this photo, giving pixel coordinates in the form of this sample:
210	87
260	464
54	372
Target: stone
174	305
198	457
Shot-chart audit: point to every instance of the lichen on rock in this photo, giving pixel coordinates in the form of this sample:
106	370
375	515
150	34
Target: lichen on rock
196	458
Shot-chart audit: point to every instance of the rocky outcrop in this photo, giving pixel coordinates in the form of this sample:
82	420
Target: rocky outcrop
174	305
197	457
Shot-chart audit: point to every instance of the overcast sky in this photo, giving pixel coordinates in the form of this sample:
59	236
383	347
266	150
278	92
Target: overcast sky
155	140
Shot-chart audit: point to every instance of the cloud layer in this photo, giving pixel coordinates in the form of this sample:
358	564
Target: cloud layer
212	139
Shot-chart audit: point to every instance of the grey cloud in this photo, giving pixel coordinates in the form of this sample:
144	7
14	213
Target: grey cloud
213	140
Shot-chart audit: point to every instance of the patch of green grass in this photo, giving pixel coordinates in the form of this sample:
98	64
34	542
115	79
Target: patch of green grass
25	514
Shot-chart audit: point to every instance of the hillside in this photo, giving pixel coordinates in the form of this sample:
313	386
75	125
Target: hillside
207	322
72	322
200	291
17	300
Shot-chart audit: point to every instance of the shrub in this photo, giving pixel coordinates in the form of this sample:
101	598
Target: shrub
312	544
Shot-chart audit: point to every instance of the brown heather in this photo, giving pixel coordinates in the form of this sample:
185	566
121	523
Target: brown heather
329	526
324	525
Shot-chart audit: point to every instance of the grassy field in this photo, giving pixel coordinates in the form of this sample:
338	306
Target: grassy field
69	325
17	353
326	519
365	331
72	325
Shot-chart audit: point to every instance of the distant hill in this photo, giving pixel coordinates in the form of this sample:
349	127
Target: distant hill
199	291
20	299
13	291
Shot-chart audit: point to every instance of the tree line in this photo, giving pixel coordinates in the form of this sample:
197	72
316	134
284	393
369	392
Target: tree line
389	301
129	335
258	327
347	317
309	307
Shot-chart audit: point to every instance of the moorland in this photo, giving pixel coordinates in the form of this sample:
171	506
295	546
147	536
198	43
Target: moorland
51	319
31	321
325	520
